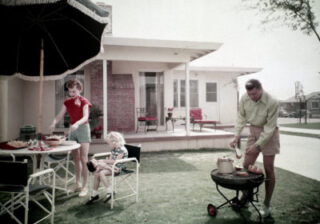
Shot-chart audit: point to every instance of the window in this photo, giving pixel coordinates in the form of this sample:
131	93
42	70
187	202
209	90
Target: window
194	96
314	105
182	93
194	93
175	93
61	93
211	92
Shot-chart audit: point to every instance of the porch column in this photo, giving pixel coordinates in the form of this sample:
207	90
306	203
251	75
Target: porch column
105	99
187	99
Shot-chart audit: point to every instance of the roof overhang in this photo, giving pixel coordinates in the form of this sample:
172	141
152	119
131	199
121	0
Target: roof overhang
150	50
233	71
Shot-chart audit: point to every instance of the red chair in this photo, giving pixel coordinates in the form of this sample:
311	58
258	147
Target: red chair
196	118
146	120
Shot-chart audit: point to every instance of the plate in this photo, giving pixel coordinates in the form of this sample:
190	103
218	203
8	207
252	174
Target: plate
5	146
68	143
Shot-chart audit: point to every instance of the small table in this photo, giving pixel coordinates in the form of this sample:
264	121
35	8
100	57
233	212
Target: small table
33	154
173	120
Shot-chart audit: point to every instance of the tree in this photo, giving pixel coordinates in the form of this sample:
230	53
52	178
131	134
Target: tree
296	14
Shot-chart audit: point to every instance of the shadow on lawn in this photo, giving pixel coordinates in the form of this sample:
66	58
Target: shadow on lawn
155	164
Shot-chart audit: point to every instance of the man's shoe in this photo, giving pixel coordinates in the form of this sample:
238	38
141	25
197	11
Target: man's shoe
265	211
92	199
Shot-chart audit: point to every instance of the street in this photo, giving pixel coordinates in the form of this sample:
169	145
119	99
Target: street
300	155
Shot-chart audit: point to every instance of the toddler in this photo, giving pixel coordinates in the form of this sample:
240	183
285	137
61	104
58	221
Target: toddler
103	168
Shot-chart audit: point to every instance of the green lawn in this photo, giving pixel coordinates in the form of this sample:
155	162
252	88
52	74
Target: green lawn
176	187
303	125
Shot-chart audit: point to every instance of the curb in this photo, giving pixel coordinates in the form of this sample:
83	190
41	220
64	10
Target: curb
300	134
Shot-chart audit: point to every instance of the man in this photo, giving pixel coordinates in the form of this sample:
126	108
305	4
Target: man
260	110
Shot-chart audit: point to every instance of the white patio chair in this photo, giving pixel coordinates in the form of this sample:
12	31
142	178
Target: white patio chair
129	176
60	163
22	188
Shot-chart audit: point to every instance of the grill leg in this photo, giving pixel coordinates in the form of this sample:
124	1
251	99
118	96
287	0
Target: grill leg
228	201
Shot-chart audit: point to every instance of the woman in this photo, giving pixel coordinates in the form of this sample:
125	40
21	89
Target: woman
78	109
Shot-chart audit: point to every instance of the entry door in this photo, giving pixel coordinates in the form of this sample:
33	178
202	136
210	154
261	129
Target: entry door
151	94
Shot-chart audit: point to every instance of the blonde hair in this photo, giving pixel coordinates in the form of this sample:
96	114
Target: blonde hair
116	139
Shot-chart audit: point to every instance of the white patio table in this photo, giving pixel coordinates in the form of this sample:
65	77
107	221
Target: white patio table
33	154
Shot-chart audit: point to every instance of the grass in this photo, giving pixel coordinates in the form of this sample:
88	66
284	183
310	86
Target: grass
303	125
176	187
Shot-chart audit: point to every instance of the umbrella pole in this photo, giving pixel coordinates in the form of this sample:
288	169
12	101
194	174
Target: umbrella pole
40	102
40	89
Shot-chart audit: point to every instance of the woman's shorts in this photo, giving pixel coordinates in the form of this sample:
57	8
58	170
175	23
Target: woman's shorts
273	145
81	134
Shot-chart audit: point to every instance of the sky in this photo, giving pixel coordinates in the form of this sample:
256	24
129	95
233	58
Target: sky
285	56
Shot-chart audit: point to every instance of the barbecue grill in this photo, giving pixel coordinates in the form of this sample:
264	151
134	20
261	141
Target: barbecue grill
232	181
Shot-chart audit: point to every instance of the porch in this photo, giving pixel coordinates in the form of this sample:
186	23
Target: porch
166	140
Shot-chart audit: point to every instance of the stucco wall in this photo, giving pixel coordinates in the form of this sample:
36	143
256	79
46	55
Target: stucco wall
15	109
31	104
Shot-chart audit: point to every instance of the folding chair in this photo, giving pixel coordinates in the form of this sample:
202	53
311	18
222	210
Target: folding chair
61	165
126	174
24	188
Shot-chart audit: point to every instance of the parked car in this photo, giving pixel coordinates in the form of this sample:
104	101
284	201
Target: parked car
283	113
300	113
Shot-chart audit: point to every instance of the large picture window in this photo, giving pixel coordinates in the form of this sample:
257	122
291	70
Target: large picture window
194	93
211	92
61	93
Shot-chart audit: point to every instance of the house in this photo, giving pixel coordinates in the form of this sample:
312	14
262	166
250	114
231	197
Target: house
131	73
311	102
140	72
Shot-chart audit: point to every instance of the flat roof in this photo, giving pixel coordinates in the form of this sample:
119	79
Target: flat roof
152	50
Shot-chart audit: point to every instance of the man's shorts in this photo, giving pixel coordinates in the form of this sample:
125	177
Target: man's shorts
273	145
81	134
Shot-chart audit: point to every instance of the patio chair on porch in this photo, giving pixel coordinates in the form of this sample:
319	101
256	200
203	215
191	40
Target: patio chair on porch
22	188
146	120
196	118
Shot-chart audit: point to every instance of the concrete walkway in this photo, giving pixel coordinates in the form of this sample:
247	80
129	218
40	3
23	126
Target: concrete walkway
299	154
301	130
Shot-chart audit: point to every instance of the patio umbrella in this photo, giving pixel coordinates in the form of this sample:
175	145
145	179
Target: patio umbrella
46	40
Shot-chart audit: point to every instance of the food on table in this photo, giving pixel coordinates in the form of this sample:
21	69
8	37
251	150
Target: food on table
255	169
242	173
54	138
17	144
36	148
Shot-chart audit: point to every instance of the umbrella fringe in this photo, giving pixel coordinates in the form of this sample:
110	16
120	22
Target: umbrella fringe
52	77
88	12
73	3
